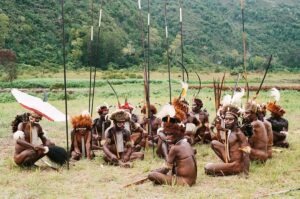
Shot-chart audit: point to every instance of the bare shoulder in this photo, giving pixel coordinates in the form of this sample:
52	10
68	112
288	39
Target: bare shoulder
257	124
267	123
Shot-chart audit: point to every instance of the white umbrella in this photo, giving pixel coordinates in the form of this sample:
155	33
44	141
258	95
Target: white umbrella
38	106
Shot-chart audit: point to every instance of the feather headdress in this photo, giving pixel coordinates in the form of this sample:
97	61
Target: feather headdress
185	87
272	106
236	99
167	110
232	104
275	93
82	121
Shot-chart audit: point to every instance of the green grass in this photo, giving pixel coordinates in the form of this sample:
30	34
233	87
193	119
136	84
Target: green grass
94	179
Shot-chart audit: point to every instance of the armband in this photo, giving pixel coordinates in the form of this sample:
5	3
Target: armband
46	149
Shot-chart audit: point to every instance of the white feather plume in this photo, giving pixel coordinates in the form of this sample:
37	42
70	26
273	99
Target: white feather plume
237	97
185	87
167	110
85	112
19	135
275	93
226	100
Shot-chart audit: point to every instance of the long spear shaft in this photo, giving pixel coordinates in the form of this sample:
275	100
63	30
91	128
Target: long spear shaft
114	92
148	82
167	47
244	46
148	49
244	36
91	57
181	37
97	53
65	76
235	85
262	81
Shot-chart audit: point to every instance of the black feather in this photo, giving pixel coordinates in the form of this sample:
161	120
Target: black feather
57	154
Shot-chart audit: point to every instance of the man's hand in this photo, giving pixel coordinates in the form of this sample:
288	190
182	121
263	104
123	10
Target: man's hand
114	158
126	158
39	148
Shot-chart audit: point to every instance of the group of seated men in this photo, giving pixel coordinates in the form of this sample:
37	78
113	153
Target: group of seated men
174	130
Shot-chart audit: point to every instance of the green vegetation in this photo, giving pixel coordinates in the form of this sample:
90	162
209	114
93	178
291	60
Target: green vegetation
212	34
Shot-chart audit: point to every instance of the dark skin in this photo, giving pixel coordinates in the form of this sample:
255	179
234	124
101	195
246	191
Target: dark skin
239	158
111	155
155	124
259	140
268	126
190	133
280	128
99	127
138	134
181	159
76	147
217	129
202	132
26	154
162	146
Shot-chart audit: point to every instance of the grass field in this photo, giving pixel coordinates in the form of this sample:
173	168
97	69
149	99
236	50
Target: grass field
94	179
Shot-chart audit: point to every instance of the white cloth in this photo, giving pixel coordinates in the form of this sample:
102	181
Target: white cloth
127	126
119	141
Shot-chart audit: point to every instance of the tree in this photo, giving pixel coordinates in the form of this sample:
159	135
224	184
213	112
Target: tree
7	61
4	21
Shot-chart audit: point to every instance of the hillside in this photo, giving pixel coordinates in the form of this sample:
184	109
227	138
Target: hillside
212	33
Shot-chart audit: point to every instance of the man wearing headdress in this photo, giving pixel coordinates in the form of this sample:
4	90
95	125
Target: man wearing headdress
180	108
280	125
129	108
256	132
234	152
154	121
200	130
99	126
181	166
118	147
137	133
28	133
261	114
81	136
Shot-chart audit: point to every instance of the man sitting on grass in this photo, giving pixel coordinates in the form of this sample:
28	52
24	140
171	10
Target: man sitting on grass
118	147
234	152
81	137
28	133
256	131
280	125
181	165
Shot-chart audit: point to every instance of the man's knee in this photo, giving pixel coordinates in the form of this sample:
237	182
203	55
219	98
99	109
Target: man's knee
208	168
154	176
214	144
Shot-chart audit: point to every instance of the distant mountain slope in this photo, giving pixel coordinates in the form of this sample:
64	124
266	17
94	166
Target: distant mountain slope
212	32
